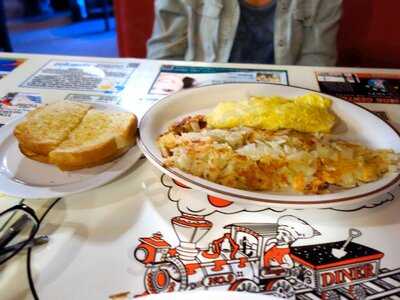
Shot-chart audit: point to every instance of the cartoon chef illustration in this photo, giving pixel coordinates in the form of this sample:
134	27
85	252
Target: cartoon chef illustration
289	230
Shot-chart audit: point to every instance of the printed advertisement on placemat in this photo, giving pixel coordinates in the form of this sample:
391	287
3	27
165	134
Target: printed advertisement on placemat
14	104
101	99
7	65
82	76
174	78
361	87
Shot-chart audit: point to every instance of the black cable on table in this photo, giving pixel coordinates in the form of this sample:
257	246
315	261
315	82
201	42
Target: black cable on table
28	259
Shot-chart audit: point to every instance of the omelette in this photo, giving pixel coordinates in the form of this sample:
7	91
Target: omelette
307	113
272	144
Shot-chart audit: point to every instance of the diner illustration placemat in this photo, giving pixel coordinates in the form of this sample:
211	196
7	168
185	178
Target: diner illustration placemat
186	240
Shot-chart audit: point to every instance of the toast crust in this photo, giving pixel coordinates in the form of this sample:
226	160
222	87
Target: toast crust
45	159
34	156
77	158
105	160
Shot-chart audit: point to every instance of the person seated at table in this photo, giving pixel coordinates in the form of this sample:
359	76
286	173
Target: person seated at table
285	32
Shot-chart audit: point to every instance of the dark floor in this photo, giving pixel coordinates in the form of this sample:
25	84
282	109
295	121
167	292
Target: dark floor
58	35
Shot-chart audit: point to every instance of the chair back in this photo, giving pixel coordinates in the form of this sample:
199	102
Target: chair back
134	20
369	34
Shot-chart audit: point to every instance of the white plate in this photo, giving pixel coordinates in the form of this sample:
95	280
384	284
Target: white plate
26	178
362	126
222	295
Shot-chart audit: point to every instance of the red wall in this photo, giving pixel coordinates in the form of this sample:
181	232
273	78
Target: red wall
369	35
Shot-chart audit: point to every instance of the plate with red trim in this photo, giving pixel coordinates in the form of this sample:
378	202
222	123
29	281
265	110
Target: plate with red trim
361	126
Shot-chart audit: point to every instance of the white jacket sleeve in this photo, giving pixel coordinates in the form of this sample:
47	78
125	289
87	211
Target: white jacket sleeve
319	40
169	37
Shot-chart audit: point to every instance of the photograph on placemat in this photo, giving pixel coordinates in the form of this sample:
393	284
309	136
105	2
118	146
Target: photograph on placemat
173	78
361	87
16	103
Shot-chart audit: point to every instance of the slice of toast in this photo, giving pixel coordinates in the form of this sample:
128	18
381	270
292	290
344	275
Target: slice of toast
32	155
47	127
99	138
108	159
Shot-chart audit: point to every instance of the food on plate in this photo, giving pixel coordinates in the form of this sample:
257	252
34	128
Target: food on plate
96	137
307	113
99	138
279	159
46	127
32	155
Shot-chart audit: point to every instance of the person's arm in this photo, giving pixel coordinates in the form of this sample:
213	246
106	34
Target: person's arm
319	40
169	38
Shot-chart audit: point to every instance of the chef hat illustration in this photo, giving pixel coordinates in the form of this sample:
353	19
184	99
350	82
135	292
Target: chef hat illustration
298	228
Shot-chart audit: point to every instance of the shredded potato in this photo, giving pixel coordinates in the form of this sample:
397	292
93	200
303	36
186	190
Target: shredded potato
242	152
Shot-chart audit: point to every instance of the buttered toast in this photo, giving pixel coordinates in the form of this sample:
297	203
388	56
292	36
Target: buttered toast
48	126
75	136
32	155
100	137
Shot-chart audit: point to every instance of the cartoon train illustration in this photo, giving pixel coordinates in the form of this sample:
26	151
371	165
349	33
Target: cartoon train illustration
258	258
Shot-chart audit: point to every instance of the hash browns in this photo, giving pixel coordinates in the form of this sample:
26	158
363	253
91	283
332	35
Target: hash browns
264	160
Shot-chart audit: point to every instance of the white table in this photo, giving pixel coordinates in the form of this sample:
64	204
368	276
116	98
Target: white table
93	234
